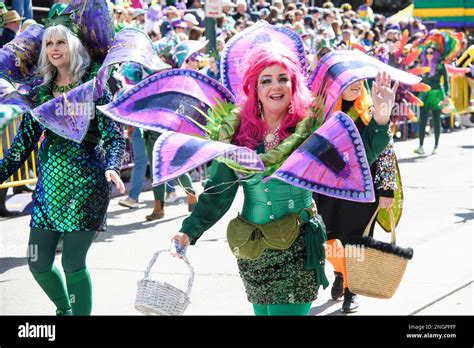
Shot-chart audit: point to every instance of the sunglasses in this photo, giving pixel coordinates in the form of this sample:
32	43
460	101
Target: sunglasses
430	52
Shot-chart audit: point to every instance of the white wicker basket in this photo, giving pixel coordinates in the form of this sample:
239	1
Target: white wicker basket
160	298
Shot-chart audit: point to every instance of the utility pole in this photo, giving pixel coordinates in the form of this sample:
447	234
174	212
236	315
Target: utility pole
213	11
210	25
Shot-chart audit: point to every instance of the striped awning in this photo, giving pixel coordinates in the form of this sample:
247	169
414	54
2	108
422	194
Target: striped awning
446	13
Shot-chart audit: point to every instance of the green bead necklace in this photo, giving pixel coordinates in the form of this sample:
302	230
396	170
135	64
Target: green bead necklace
63	89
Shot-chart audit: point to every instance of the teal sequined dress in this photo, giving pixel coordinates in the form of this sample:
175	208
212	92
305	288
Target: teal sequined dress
72	193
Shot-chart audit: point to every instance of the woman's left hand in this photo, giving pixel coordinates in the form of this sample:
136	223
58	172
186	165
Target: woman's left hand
386	202
111	175
383	97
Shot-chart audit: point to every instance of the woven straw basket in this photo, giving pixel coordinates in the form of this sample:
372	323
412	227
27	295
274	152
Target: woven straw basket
160	298
376	273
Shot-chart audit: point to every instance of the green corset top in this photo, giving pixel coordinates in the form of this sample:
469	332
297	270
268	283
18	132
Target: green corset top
274	199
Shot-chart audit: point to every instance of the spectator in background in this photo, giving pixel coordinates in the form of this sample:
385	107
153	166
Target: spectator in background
241	11
12	24
365	12
179	27
239	25
133	73
119	18
260	5
152	23
227	7
190	20
197	6
273	18
278	4
368	40
346	7
326	24
298	16
289	17
264	14
24	8
138	18
129	17
195	34
214	69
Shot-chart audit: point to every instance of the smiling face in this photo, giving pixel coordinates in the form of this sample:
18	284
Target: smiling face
57	50
274	89
352	92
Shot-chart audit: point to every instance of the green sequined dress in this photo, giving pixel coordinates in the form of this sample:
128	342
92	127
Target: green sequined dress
277	276
72	193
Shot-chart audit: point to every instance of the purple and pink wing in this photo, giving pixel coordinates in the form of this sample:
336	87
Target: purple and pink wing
164	102
339	69
69	115
175	154
331	162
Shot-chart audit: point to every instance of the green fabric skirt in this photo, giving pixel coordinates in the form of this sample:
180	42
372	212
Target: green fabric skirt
279	276
431	99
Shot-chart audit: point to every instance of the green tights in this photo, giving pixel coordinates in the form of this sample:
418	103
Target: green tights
294	309
424	114
42	251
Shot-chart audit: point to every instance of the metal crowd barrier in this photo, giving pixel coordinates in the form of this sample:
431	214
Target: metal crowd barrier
26	174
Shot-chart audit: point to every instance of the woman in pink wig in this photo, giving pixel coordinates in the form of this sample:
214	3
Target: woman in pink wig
274	119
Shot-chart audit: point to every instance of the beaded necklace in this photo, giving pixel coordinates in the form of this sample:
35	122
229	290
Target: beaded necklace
63	89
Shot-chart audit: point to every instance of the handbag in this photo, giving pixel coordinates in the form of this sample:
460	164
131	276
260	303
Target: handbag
248	240
375	268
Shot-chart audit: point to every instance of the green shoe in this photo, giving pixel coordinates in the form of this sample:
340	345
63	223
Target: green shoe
60	312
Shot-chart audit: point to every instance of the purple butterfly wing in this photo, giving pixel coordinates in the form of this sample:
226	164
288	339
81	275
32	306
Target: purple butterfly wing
332	162
339	69
69	115
164	102
175	154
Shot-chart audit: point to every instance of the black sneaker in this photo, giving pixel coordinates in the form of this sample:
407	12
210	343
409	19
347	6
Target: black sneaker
351	303
337	289
4	212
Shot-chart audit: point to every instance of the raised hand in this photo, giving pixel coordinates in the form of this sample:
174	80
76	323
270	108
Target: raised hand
383	97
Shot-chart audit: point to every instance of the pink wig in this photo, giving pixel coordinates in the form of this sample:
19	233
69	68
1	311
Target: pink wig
252	128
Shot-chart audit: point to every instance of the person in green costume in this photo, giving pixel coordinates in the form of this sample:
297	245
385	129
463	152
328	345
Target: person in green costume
437	79
271	120
72	193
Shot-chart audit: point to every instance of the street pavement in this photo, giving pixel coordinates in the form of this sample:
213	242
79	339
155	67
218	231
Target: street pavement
437	223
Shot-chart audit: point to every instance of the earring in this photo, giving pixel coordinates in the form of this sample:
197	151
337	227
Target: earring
290	109
260	111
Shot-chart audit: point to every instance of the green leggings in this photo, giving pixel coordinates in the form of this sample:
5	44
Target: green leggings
301	309
159	191
41	253
424	114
